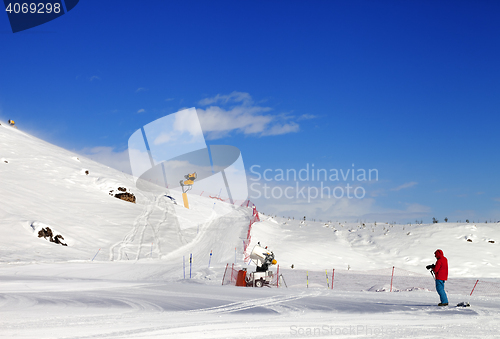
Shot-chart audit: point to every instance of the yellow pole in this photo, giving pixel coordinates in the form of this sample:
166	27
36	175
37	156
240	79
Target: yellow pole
185	199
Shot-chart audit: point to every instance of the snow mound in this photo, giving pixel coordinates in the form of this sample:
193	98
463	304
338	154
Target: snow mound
382	288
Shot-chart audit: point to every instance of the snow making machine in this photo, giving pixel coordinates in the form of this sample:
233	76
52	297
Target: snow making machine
262	258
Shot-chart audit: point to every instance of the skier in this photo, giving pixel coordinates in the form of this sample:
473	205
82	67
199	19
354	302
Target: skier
440	269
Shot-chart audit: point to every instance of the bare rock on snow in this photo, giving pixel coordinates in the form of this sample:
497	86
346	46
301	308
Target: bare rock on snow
126	196
47	233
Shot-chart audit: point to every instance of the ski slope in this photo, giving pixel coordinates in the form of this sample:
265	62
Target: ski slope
126	273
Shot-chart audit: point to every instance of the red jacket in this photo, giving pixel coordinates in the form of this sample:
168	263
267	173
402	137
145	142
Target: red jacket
441	269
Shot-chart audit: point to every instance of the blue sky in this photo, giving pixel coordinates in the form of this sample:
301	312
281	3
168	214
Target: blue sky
408	88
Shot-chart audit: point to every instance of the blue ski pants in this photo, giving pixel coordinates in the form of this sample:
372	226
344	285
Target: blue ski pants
440	291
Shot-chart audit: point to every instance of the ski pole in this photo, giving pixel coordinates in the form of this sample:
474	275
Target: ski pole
209	260
283	278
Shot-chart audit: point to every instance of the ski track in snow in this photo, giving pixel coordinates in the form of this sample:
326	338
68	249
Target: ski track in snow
141	225
261	302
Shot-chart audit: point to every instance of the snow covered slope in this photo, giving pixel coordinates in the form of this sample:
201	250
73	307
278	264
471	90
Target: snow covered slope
473	250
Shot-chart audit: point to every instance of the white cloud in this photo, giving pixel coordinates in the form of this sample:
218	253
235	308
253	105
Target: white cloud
496	199
163	138
240	114
141	89
237	97
108	156
405	185
282	129
94	77
187	122
307	117
142	110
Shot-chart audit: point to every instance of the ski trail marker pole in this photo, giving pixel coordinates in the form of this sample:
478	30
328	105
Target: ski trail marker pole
307	279
278	275
392	276
327	284
333	275
209	260
95	255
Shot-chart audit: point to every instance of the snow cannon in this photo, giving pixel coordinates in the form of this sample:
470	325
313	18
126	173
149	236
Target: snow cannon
186	186
191	177
262	258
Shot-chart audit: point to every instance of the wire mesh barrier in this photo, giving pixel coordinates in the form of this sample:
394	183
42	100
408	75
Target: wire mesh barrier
383	280
486	287
254	219
230	275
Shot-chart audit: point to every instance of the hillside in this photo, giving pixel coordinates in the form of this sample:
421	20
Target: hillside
472	249
46	186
